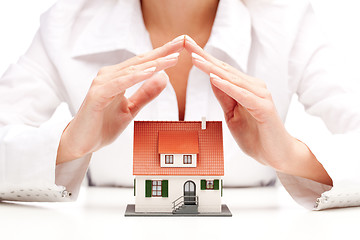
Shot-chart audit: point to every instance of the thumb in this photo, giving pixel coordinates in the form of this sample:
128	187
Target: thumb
226	102
150	89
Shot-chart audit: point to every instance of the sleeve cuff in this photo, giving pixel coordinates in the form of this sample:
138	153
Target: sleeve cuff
71	175
304	191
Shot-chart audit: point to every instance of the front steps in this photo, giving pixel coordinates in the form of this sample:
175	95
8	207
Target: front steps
186	209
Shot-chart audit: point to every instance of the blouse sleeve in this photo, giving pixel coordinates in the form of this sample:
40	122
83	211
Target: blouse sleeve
30	131
317	72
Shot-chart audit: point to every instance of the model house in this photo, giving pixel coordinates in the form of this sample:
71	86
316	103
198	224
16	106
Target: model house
178	167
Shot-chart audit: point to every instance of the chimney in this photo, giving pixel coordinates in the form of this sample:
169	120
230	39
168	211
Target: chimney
203	123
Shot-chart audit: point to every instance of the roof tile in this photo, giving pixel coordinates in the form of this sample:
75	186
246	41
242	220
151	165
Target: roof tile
178	142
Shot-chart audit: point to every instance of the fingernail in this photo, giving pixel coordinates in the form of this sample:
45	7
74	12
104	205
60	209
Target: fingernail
178	39
150	70
198	57
187	37
172	56
213	76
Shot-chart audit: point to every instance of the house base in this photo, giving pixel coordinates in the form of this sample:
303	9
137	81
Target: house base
130	212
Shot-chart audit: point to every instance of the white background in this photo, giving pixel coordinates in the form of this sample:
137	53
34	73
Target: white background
19	20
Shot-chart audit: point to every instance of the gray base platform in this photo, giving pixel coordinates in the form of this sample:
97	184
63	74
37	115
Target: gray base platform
130	212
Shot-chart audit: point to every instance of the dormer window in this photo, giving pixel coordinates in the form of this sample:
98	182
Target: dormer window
178	148
187	159
169	159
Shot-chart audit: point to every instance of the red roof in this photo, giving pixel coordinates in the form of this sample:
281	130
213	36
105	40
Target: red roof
150	137
178	142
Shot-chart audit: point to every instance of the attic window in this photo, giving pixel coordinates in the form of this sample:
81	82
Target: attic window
187	159
169	159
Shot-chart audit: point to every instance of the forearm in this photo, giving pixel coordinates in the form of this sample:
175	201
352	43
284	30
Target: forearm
303	163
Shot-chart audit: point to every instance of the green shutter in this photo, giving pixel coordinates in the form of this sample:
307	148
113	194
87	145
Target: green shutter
222	187
216	184
203	184
148	185
134	186
164	188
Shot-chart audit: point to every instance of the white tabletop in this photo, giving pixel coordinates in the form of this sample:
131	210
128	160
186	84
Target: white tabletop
258	213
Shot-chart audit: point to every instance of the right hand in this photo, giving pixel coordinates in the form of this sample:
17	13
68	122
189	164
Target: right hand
106	112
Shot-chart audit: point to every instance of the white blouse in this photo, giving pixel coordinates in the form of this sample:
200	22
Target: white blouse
277	41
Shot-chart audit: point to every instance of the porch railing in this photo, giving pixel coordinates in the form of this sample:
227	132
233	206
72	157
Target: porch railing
181	201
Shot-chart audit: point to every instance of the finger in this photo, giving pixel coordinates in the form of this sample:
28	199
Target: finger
121	83
160	64
227	103
176	45
147	92
247	99
191	46
237	80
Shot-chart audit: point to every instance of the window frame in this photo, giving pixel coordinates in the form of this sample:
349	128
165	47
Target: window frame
208	184
157	190
169	159
187	159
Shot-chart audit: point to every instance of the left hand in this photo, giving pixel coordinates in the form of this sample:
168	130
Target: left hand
251	116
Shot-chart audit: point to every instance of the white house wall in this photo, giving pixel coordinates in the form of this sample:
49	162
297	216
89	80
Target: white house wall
178	160
209	200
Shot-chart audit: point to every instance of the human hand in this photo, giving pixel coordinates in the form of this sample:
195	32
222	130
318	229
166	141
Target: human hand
251	116
106	112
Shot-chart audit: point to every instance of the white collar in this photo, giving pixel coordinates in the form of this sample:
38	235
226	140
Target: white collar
123	28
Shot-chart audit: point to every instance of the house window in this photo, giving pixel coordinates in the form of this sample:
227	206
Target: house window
187	159
156	188
169	159
209	184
